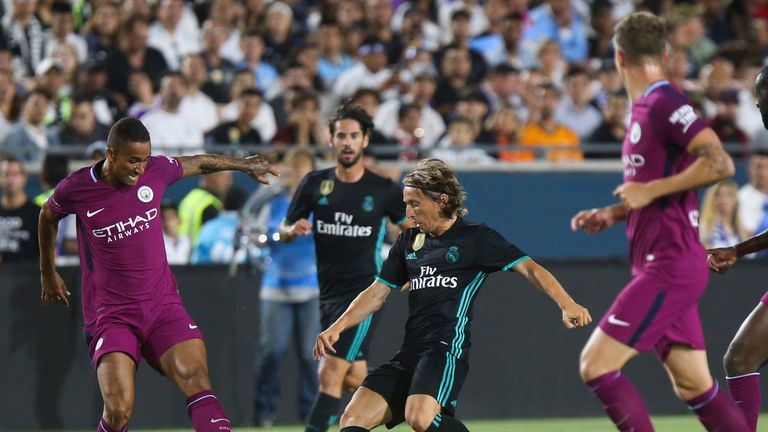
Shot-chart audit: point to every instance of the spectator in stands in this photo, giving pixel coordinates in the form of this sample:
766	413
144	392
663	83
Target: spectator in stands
369	72
132	55
378	19
252	45
50	77
559	21
420	93
612	129
503	87
753	196
203	203
507	46
546	132
725	122
169	129
280	34
307	54
216	241
140	91
304	127
10	103
575	111
223	14
408	133
28	138
241	129
477	22
18	215
459	147
174	40
219	71
460	31
600	30
82	127
264	122
255	13
53	170
502	129
719	224
66	56
102	29
23	32
551	62
333	61
370	100
92	84
686	31
295	79
455	70
177	246
473	105
61	31
196	107
679	69
288	298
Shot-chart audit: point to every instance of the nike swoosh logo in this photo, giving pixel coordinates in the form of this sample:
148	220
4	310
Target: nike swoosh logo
192	327
94	213
615	321
218	420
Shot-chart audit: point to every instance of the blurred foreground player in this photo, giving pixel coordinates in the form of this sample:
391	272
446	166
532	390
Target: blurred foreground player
446	260
131	305
749	349
668	153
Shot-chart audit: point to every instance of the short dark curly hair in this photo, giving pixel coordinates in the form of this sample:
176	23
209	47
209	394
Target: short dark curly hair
352	111
435	178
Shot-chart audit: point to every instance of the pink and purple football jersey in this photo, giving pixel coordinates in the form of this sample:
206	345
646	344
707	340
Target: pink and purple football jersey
663	236
119	234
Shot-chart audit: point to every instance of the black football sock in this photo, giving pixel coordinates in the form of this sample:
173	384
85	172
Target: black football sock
324	413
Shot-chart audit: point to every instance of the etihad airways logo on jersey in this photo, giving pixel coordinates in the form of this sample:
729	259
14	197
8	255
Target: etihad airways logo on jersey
428	279
126	228
632	162
342	226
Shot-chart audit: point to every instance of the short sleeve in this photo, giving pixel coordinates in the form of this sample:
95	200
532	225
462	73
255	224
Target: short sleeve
678	121
395	204
301	203
168	168
394	273
59	203
495	253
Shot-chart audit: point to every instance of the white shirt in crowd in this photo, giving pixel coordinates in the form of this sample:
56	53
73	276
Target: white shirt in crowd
50	43
359	77
172	134
463	156
432	123
174	46
264	122
752	204
200	110
177	250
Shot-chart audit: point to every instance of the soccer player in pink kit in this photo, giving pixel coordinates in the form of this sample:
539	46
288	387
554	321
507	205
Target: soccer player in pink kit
749	349
131	305
667	153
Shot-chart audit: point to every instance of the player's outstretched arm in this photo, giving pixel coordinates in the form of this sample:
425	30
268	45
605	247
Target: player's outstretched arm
712	165
592	221
54	290
366	303
255	166
574	315
722	259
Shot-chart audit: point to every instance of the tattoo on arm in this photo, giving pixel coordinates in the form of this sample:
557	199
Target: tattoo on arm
717	160
206	164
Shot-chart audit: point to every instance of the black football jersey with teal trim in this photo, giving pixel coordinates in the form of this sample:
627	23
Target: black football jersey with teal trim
349	226
445	273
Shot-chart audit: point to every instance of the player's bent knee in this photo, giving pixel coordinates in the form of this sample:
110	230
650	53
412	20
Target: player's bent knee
117	410
353	416
330	376
737	361
419	420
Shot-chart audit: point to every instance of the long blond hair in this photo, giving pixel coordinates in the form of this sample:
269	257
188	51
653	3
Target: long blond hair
710	216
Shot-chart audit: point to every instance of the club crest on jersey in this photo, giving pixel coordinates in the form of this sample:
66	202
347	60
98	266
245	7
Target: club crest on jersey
145	194
452	255
368	203
635	133
326	187
418	242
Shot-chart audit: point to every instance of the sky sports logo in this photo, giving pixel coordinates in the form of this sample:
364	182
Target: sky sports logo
127	228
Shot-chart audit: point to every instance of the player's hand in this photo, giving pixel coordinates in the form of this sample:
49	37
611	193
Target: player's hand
593	221
576	315
634	195
54	290
721	259
302	227
324	343
257	167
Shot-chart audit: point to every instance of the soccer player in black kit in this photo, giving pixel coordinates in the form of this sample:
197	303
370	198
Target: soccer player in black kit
350	206
446	260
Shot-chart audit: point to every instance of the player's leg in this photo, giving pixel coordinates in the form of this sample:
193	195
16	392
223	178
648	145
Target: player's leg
746	354
423	414
276	326
306	327
359	369
600	366
116	373
693	383
365	411
325	410
355	376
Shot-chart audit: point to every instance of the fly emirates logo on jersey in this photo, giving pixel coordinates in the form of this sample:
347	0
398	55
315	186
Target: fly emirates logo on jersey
126	228
342	226
428	279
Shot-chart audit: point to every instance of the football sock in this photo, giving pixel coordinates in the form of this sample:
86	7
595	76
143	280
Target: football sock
104	427
206	413
446	424
622	402
353	429
324	413
717	411
745	390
